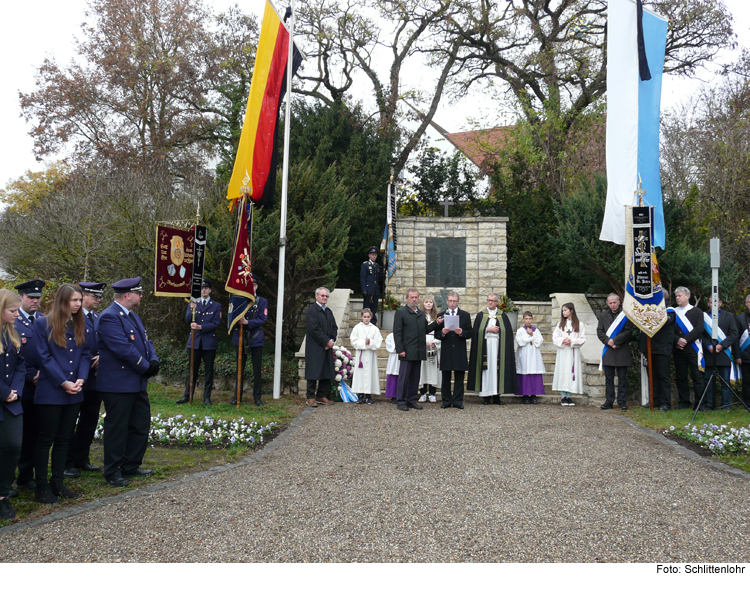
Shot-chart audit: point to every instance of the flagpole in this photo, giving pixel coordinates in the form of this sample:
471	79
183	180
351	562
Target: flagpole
282	225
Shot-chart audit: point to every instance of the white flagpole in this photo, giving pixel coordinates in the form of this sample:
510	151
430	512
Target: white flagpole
282	231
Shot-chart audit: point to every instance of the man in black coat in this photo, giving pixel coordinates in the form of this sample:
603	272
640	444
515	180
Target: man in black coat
743	357
617	357
321	336
370	278
410	337
685	357
661	351
453	358
720	357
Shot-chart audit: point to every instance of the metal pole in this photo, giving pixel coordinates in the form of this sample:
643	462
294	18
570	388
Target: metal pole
282	225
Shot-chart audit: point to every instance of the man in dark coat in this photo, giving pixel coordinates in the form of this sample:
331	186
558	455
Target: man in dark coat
410	338
127	360
661	351
721	357
453	361
743	357
685	356
617	357
28	313
320	338
203	325
252	342
88	414
492	332
370	278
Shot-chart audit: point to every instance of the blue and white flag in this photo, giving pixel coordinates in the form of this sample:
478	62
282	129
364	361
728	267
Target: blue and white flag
346	392
390	251
613	330
744	341
633	112
686	327
708	327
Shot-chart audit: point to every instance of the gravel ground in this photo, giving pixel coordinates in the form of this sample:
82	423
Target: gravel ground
488	484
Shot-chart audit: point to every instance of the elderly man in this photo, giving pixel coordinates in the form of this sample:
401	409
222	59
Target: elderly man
687	347
616	356
742	349
126	360
410	337
320	338
721	358
453	360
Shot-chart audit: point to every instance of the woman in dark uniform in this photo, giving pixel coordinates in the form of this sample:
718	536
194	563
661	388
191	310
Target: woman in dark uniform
12	375
64	359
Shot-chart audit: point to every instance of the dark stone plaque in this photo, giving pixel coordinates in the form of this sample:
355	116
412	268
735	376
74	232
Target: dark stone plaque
446	262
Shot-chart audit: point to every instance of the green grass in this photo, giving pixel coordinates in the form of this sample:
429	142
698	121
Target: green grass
168	462
661	421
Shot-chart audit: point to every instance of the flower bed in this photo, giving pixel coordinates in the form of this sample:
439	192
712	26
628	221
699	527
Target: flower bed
719	439
193	430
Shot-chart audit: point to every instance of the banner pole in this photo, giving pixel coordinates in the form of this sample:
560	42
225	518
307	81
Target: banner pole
238	395
192	358
282	225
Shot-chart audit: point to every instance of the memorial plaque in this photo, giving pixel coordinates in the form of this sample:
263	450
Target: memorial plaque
446	262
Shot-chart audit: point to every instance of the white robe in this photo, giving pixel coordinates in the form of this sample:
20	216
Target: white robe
489	375
528	356
366	379
394	362
568	374
430	374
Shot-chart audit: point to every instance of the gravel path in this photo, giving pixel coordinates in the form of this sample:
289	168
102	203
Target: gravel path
488	484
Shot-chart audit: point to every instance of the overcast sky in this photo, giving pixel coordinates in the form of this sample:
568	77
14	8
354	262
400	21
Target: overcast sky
46	28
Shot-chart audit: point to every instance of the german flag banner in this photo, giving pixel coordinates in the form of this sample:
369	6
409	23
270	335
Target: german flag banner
254	171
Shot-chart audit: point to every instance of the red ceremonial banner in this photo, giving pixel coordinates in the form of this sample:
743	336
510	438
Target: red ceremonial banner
239	281
174	262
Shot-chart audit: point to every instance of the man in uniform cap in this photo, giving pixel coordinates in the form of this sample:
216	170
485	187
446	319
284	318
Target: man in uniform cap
370	278
31	295
252	342
126	360
88	417
207	320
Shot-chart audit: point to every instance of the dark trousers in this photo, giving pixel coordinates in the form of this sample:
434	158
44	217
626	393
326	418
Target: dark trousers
407	387
126	427
318	388
726	394
685	363
256	354
88	419
662	380
622	383
11	433
371	302
55	423
28	443
746	382
455	398
207	356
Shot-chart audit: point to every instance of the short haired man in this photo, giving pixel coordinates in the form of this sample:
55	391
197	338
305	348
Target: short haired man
321	334
722	359
617	357
126	360
252	342
453	360
688	329
207	320
28	313
88	414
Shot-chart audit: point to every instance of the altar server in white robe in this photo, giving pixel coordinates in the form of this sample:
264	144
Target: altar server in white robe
366	340
529	364
392	369
569	336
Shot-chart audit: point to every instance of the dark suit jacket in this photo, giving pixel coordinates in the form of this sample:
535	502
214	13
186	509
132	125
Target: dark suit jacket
58	365
620	357
453	348
124	352
209	318
13	377
256	316
743	321
729	326
695	316
25	330
321	327
93	343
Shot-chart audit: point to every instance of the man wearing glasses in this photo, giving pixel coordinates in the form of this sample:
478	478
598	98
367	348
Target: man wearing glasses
88	415
320	338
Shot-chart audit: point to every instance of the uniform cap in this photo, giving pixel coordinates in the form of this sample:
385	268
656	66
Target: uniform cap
207	283
32	288
92	287
126	285
373	249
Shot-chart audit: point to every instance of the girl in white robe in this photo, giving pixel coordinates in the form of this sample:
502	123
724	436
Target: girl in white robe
366	340
430	377
392	369
529	364
568	337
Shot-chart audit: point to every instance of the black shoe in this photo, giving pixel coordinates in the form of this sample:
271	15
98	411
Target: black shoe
117	480
368	399
43	494
533	400
258	403
459	406
207	401
683	406
138	472
403	407
71	473
445	406
623	406
486	400
28	485
234	402
525	400
606	406
183	400
414	405
360	398
61	491
664	408
13	493
88	467
496	399
6	510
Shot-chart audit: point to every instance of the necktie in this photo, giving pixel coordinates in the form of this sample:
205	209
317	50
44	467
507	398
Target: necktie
204	302
31	319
